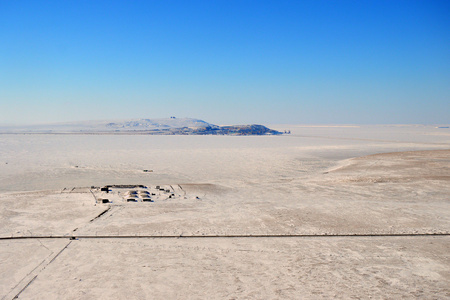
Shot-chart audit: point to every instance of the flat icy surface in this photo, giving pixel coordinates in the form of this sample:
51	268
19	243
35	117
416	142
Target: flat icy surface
319	180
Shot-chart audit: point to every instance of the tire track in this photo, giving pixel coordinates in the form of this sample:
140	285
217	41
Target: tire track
349	235
33	274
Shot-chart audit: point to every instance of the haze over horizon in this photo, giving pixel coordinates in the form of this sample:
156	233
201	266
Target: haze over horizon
226	62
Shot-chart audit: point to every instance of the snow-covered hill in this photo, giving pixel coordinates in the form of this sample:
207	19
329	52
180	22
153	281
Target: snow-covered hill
109	126
167	126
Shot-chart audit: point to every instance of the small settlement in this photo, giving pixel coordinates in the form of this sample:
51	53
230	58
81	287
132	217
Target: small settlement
119	194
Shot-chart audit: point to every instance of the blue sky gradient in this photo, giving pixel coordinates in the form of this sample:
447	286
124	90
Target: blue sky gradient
225	61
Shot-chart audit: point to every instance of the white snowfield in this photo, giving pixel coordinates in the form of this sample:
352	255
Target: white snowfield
346	212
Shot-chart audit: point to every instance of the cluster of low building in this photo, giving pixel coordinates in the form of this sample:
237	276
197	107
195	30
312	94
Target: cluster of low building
133	193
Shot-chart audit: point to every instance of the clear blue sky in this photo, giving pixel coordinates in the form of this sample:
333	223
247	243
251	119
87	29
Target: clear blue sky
226	61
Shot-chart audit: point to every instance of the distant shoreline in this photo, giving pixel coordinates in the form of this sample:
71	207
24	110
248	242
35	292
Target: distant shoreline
172	126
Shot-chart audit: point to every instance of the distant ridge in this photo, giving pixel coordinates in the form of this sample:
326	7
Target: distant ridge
164	126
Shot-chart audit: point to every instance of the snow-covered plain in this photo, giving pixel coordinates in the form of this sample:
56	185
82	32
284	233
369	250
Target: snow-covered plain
319	181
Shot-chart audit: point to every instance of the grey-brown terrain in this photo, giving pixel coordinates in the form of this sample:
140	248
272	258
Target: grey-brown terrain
347	212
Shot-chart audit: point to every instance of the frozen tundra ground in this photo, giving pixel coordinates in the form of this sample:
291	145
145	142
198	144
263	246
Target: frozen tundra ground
348	212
